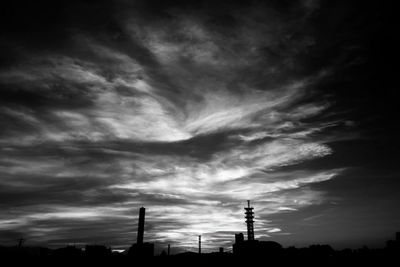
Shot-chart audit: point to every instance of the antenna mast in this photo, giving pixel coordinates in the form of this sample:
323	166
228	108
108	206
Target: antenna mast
249	221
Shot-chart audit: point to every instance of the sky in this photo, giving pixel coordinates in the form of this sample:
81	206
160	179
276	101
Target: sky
190	108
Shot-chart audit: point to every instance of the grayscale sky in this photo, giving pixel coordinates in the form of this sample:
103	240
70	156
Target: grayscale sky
189	108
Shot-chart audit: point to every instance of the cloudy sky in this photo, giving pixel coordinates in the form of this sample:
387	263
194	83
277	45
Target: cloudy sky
189	108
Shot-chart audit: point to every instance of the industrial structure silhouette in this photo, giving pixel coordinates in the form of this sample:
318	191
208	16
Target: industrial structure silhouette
141	249
242	250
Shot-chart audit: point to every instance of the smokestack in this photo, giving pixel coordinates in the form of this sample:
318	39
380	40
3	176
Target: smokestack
140	233
169	247
199	244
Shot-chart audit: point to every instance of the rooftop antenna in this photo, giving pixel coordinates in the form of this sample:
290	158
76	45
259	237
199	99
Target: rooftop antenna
249	221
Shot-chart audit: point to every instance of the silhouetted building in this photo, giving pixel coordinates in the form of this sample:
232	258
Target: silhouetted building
320	250
69	251
97	251
394	245
256	247
163	253
239	238
141	249
23	251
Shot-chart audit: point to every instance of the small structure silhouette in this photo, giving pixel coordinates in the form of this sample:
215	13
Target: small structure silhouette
239	238
68	252
393	246
97	251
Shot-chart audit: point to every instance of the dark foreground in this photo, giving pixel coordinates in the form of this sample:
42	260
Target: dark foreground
287	257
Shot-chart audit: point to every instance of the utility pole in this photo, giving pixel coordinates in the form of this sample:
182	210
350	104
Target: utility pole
20	242
199	244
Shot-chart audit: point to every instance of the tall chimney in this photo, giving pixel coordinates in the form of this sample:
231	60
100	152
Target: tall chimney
140	233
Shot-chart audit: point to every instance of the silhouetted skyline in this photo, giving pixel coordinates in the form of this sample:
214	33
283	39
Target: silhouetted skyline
248	250
190	108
